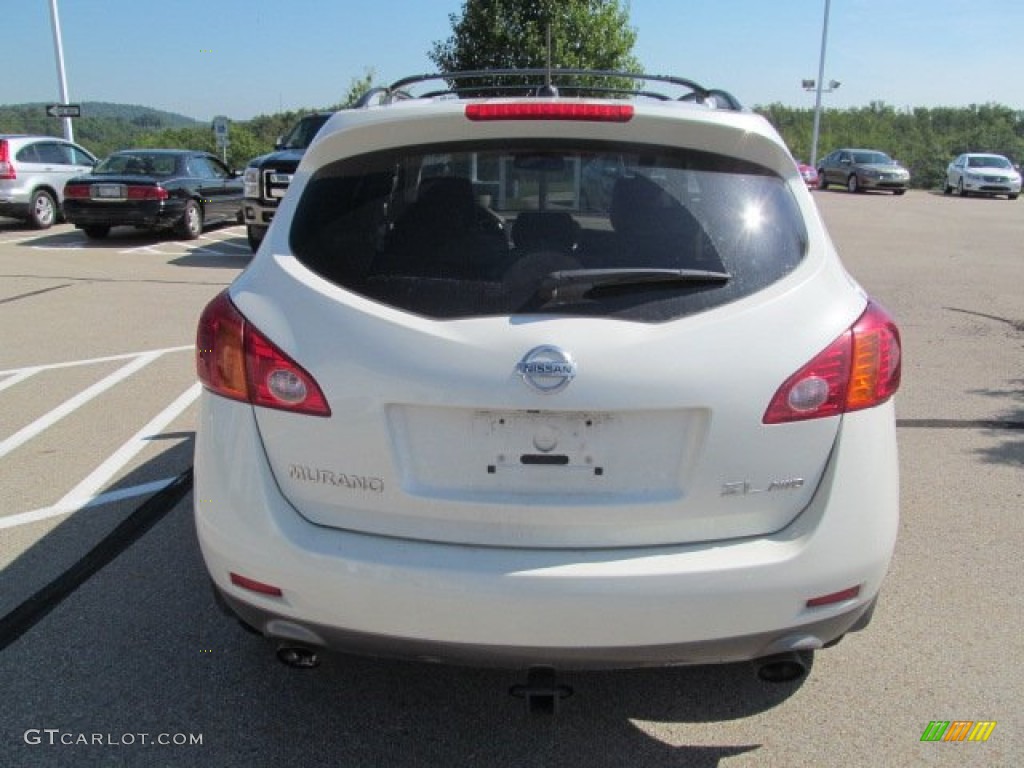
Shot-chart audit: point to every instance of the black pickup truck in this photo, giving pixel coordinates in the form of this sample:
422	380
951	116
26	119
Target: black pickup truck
267	177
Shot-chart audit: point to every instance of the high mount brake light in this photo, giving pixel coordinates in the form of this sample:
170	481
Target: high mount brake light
858	370
550	110
235	360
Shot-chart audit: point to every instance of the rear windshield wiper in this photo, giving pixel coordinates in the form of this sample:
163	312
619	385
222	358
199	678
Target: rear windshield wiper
578	282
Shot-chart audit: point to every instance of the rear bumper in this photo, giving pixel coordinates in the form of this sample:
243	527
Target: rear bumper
285	630
153	214
712	602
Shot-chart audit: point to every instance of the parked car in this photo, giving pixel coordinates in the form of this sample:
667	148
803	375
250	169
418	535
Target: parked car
808	173
455	410
861	169
154	189
33	171
983	174
267	177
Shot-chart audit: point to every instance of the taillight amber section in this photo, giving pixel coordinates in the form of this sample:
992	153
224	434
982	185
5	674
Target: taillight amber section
220	349
875	373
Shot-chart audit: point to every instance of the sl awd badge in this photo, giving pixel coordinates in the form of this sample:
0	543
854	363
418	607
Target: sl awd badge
547	369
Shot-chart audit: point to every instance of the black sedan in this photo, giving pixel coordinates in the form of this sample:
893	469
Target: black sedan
154	189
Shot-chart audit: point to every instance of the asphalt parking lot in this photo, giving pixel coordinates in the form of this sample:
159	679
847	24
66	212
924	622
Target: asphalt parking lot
97	418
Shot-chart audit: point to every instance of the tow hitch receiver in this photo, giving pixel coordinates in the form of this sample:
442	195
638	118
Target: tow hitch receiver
542	691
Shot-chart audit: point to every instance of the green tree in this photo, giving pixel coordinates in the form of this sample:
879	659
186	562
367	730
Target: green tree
512	34
357	86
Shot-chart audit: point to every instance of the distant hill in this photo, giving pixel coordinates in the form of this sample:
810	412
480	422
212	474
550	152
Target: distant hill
102	128
138	115
105	127
142	117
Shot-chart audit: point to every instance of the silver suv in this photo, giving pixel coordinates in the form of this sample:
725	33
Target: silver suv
33	170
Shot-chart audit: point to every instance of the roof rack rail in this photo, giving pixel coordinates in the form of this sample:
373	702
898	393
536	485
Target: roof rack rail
539	82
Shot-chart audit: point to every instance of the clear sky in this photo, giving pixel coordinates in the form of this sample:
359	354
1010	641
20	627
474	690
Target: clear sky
241	58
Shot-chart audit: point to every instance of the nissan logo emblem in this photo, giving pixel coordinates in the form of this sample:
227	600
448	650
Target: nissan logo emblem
547	369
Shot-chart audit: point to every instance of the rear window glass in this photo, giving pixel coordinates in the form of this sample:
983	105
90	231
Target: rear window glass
138	164
636	232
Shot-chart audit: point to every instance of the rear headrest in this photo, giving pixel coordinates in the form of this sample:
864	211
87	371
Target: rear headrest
641	207
439	191
545	230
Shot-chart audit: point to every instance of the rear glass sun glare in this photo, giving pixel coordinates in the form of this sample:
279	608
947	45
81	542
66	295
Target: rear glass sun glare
546	110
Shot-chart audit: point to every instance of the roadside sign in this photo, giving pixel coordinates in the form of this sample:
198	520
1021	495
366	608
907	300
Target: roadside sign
220	134
64	110
220	125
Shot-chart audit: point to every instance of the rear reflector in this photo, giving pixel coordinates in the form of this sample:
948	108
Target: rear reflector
550	110
255	586
860	369
834	597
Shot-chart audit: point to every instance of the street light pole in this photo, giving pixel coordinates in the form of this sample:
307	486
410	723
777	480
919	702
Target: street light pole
817	96
59	47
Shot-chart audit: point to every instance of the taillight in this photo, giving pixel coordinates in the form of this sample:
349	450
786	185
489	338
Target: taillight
138	192
76	191
550	110
6	166
858	370
235	360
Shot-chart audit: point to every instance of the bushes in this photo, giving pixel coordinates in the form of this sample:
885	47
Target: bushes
924	139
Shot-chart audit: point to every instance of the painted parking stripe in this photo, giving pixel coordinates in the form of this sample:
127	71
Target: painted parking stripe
25	434
227	243
99	477
145	249
86	493
70	246
38	515
18	377
94	360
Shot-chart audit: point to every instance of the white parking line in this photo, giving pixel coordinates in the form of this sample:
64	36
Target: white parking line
72	404
146	249
85	494
90	486
37	515
93	360
69	247
18	378
227	243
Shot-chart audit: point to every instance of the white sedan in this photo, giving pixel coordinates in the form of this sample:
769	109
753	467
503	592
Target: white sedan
982	174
